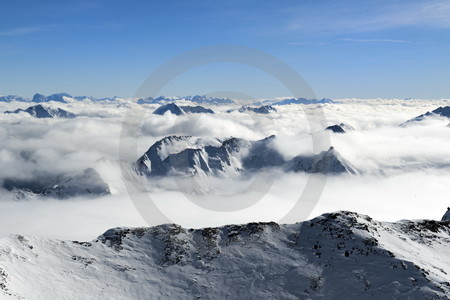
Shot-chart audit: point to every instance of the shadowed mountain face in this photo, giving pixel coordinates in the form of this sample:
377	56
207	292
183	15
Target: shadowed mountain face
40	111
86	183
180	110
446	216
438	112
186	155
171	107
341	255
336	129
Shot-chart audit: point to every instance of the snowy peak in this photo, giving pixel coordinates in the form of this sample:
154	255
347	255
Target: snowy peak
40	111
190	156
342	255
326	162
331	162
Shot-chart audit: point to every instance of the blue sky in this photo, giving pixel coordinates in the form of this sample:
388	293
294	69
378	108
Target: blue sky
391	49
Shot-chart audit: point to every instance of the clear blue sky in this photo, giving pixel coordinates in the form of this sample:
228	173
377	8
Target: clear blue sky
342	48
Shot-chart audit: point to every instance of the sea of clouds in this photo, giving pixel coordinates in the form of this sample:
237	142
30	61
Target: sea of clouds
404	171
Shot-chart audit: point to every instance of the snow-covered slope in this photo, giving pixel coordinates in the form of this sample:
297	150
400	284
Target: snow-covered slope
40	111
340	255
186	155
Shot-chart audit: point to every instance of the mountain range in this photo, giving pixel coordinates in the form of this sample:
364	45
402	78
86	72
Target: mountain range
187	155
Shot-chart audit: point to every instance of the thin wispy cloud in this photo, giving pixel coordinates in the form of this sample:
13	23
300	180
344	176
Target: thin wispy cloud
44	28
344	18
29	30
374	40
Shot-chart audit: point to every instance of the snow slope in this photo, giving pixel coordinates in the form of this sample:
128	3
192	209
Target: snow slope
340	255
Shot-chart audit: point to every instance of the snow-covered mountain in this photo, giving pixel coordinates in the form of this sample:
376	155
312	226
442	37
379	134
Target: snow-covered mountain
40	111
342	255
187	155
87	183
180	110
438	112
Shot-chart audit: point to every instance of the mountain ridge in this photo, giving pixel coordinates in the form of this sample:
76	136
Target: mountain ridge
340	255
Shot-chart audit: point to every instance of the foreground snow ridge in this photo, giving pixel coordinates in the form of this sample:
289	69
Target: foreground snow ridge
341	255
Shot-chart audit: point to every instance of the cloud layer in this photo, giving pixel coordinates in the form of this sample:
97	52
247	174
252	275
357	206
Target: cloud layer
404	170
